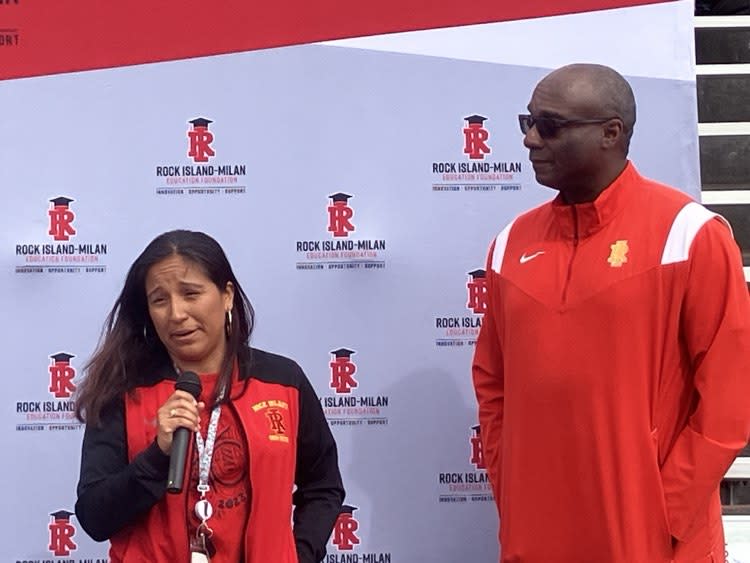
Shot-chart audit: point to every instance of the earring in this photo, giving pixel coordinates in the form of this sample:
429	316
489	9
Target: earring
228	323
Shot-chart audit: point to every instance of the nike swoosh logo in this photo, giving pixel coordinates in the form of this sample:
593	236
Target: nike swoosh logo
523	259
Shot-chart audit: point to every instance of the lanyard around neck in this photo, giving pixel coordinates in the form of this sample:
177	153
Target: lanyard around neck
206	450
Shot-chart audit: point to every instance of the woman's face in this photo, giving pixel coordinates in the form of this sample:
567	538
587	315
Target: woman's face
188	312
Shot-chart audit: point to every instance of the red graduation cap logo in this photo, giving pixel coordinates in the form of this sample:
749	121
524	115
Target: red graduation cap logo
61	375
342	371
477	289
339	215
345	529
61	218
200	139
61	532
475	137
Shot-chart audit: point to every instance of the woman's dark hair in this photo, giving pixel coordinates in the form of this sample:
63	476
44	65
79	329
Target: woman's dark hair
129	348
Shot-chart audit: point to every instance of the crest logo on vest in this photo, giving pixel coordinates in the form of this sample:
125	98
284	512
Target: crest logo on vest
277	422
276	412
618	255
475	172
200	174
63	251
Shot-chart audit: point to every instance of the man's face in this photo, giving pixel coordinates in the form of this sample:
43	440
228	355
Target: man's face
571	155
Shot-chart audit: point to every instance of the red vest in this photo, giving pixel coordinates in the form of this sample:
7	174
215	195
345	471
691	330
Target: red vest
161	534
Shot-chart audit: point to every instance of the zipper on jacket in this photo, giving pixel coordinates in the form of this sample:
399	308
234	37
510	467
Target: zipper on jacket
572	255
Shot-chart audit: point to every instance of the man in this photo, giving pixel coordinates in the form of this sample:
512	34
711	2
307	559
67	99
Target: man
612	369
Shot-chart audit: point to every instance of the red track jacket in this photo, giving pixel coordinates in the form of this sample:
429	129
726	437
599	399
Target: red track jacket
612	373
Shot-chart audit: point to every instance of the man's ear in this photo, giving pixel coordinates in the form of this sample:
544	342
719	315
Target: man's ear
612	133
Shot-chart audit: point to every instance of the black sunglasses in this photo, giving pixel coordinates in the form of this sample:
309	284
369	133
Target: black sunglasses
548	127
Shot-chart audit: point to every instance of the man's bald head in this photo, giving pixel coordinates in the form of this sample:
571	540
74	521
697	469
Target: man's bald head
601	88
581	120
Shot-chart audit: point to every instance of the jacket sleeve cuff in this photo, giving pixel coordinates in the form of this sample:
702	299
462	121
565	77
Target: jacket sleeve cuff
152	464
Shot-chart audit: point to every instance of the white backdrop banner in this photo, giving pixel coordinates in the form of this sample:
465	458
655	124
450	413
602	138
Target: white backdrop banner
355	189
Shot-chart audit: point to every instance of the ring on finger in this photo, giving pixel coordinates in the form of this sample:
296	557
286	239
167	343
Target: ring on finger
172	413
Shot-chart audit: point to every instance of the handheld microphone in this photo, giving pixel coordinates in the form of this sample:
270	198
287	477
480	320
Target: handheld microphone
190	382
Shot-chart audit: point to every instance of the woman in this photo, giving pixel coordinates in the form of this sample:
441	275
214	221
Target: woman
257	423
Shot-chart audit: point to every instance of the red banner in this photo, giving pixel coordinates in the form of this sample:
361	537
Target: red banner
39	37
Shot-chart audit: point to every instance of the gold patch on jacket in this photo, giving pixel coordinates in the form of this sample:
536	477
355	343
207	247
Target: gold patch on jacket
277	422
618	256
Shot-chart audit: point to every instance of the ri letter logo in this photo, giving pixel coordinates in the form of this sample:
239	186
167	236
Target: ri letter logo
61	532
61	376
61	219
345	529
350	543
476	287
200	139
340	215
475	137
342	371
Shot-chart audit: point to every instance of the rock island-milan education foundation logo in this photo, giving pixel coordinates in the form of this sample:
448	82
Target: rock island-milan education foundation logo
64	250
348	541
462	329
342	250
476	172
201	174
53	408
464	485
346	406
